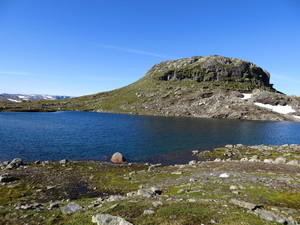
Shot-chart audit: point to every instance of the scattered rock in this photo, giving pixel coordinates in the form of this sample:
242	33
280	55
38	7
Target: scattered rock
244	160
24	206
176	173
148	212
72	207
106	219
63	161
195	152
149	192
6	178
53	205
114	198
192	162
233	188
280	160
117	158
151	167
192	180
15	163
269	161
157	204
293	163
228	146
264	214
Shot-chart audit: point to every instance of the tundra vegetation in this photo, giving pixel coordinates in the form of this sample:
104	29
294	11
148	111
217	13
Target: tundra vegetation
235	184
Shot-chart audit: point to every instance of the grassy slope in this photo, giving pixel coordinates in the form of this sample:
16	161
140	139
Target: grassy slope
126	100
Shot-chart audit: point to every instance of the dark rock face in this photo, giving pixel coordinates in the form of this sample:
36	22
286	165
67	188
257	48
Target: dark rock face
211	68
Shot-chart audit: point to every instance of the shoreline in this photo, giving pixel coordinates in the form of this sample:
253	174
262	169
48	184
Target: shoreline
291	117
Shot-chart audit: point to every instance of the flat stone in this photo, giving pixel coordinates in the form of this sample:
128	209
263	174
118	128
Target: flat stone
114	198
106	219
72	207
148	212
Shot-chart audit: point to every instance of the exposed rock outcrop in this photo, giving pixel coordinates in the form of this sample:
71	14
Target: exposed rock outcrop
211	68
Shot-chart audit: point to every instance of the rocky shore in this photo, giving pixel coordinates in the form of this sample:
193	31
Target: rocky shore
234	184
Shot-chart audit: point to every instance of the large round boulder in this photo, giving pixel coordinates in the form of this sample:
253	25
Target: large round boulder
117	158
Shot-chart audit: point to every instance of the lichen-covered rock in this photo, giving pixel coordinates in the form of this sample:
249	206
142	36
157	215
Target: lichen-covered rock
106	219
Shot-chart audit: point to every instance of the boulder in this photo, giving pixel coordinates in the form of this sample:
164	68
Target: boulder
148	212
192	162
72	207
293	163
63	161
6	178
268	161
106	219
15	163
114	198
157	204
117	158
280	160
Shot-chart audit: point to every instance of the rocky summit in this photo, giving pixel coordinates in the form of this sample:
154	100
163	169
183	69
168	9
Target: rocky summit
204	87
211	68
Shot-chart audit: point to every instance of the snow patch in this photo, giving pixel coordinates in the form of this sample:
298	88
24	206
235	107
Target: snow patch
246	96
277	108
13	100
224	175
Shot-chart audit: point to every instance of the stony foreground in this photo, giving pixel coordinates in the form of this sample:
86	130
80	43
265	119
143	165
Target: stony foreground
229	185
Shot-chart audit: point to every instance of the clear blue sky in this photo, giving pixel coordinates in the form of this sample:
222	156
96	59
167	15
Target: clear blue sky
77	47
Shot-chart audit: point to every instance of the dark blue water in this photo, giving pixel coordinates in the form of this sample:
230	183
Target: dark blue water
95	136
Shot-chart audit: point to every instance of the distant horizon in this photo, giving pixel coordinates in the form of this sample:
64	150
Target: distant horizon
75	48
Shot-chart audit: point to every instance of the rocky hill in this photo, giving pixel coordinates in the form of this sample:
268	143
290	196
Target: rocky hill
205	87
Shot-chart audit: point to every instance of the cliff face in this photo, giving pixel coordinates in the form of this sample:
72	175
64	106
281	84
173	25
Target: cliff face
211	68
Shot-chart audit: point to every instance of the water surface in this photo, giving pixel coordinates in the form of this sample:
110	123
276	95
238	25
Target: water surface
95	136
